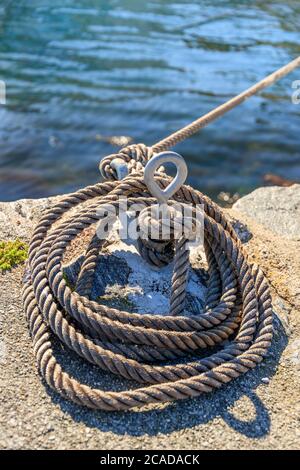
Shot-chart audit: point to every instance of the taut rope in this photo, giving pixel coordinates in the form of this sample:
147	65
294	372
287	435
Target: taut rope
238	303
203	121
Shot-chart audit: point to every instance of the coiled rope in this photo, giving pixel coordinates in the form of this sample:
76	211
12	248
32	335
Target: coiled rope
159	351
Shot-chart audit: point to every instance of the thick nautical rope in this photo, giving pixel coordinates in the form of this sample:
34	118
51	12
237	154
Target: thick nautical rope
165	353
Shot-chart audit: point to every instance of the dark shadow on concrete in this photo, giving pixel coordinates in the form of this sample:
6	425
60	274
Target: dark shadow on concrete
255	428
179	415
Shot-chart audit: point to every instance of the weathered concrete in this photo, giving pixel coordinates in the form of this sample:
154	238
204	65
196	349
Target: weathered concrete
18	218
258	410
276	208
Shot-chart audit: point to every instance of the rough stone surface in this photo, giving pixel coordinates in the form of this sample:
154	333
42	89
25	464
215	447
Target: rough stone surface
17	218
259	410
276	208
122	274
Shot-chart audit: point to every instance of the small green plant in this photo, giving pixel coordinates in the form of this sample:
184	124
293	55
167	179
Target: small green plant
12	253
67	281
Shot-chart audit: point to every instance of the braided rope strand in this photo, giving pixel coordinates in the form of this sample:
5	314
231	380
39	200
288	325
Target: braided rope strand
135	346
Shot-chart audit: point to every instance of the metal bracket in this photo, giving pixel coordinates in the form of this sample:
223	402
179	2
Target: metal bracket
121	168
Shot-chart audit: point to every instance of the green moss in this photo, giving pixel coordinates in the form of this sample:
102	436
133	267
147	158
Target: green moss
117	301
12	253
67	281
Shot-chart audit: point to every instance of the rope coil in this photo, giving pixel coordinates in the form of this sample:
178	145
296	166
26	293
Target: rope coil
134	346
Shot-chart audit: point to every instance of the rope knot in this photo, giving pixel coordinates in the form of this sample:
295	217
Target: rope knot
134	157
161	226
156	234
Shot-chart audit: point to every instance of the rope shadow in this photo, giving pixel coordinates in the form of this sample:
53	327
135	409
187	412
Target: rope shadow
183	414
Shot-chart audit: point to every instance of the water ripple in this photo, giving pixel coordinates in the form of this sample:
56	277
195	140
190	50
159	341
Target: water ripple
141	70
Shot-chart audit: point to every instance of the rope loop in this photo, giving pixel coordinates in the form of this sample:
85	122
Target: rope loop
135	156
236	316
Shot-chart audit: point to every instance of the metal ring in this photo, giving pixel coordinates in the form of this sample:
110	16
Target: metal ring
162	195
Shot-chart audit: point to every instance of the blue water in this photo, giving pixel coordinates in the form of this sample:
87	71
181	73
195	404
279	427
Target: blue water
80	72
